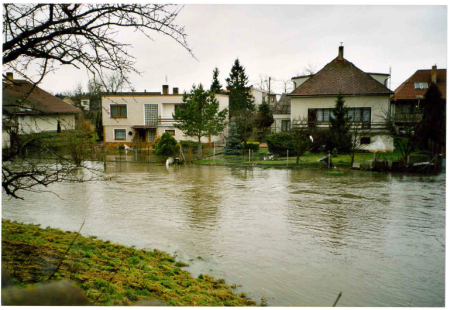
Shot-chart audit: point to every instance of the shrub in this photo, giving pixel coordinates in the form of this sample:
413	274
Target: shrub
167	145
279	143
335	152
254	146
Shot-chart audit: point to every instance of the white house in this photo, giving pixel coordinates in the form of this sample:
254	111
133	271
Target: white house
366	96
141	116
30	109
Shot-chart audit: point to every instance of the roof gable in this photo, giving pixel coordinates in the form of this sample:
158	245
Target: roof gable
406	90
340	76
24	94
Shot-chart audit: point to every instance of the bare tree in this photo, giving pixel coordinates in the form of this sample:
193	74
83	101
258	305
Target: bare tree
301	133
310	69
358	133
81	35
404	130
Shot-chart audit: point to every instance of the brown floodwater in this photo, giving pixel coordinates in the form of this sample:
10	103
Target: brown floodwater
296	237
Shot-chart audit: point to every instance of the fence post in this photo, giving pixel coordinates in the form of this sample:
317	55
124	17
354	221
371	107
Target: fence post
214	153
148	153
249	156
287	158
329	160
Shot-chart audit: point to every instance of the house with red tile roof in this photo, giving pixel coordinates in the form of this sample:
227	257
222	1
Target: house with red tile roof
406	101
31	109
366	97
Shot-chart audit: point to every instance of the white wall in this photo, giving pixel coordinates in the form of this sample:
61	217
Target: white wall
276	126
39	123
135	114
380	78
300	81
379	105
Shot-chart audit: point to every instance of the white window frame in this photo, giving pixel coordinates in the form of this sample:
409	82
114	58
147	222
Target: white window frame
114	134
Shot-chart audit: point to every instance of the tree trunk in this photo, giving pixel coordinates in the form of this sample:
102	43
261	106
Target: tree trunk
298	159
199	148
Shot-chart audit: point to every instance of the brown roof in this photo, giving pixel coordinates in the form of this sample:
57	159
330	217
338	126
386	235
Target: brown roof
21	93
340	76
283	106
406	90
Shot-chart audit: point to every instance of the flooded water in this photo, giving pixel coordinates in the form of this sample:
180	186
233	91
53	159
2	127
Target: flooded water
296	237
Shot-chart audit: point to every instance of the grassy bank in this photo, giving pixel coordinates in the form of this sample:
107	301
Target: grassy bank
110	274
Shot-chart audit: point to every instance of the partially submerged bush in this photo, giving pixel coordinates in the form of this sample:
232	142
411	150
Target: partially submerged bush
167	145
279	143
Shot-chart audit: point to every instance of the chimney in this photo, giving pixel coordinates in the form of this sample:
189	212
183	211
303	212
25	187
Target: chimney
341	53
165	89
434	74
175	90
9	78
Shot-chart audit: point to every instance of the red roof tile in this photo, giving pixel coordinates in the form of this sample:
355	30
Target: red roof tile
340	76
21	92
406	90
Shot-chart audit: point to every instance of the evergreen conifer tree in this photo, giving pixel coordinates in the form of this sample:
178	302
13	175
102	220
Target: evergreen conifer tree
264	120
339	136
216	86
432	126
233	145
237	85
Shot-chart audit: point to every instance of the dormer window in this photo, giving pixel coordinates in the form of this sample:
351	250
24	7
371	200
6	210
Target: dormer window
420	85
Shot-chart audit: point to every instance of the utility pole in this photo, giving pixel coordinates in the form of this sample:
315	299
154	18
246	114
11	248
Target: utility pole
268	99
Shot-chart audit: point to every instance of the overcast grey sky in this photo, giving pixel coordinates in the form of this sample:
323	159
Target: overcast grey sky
279	41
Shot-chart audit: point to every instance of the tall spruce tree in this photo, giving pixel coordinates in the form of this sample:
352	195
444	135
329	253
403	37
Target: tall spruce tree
339	136
239	91
215	85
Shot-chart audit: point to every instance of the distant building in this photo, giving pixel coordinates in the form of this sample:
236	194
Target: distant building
260	95
141	116
406	101
30	109
366	96
282	114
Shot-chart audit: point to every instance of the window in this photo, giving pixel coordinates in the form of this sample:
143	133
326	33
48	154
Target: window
285	125
320	115
326	115
120	134
151	135
85	103
420	85
151	114
171	131
365	140
354	114
118	110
